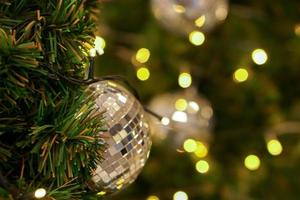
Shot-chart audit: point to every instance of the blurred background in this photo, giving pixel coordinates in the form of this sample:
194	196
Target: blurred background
225	76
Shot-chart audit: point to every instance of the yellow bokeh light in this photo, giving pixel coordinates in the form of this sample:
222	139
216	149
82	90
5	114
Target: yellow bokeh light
252	162
143	73
181	104
184	80
178	8
40	193
180	195
193	107
180	116
142	55
200	21
102	193
196	38
240	75
165	121
202	166
201	150
153	197
274	147
190	145
259	56
297	29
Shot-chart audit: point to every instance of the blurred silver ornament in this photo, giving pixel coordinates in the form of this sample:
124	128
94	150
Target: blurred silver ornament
128	137
185	16
186	114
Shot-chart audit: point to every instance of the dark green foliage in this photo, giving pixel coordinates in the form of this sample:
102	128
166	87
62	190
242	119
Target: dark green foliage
48	125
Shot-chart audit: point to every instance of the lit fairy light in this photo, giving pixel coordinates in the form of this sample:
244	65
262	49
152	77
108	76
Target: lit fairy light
201	150
200	21
202	166
143	73
99	45
274	147
165	121
142	55
259	56
185	80
40	193
179	116
196	38
240	75
178	8
180	195
152	197
181	104
252	162
93	52
190	145
194	106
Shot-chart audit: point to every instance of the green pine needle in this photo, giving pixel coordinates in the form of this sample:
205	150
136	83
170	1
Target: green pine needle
50	132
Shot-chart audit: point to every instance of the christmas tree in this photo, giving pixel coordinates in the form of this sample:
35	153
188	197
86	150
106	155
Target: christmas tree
219	79
48	144
65	134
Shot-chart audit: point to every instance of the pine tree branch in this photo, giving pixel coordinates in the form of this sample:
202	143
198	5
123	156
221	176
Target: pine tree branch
50	124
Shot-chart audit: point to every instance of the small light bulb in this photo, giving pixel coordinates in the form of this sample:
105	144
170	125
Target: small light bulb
180	195
142	55
143	73
190	145
99	45
153	197
180	116
200	21
185	80
202	166
240	75
40	193
165	121
181	104
93	52
99	42
274	147
252	162
196	38
193	107
201	150
259	56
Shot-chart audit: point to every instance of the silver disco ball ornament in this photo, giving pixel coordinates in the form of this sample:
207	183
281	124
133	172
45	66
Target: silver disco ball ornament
185	16
186	115
127	137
